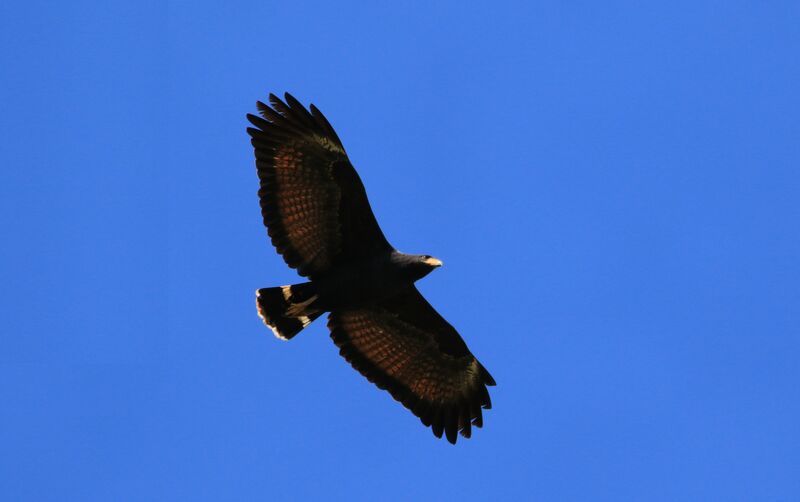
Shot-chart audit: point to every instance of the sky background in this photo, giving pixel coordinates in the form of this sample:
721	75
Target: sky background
613	188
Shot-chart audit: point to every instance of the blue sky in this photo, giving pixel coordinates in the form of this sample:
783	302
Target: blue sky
613	188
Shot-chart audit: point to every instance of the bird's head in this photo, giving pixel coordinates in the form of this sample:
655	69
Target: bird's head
423	264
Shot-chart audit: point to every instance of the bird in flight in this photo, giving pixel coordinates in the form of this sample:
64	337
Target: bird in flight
318	217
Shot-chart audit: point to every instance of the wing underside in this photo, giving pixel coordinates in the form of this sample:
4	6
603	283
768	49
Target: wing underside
312	200
405	349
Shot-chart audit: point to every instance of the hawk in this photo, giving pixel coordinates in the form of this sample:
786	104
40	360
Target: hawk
319	219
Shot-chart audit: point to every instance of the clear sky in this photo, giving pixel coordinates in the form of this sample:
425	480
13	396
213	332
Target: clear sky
613	188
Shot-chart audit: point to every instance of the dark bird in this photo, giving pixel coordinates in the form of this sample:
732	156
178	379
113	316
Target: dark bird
319	219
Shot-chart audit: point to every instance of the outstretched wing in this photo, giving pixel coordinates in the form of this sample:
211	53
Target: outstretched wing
405	346
312	200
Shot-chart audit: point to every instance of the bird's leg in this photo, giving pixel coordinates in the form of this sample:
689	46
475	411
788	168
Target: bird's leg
299	309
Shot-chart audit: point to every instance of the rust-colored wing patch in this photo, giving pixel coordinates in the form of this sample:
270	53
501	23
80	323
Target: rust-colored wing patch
299	204
446	391
312	200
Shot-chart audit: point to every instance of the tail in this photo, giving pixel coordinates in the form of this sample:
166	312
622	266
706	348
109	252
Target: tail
287	309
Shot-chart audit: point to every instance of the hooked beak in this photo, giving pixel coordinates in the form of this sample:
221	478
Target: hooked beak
433	262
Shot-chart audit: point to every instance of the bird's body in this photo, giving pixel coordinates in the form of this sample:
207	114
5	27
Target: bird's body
318	216
356	284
